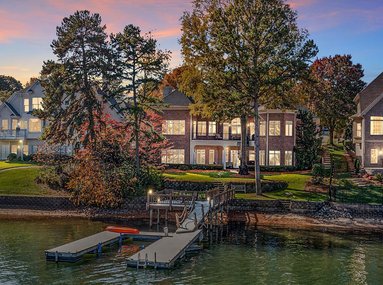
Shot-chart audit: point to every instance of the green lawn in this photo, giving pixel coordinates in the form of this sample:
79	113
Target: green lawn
338	155
21	182
221	176
6	164
353	194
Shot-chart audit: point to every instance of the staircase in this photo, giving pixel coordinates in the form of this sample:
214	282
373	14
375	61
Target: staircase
326	160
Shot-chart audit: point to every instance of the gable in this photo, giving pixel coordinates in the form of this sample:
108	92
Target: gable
370	93
177	98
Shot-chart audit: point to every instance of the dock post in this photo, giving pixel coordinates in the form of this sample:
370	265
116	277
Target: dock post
99	249
158	217
56	256
166	217
120	240
146	260
150	218
155	260
138	260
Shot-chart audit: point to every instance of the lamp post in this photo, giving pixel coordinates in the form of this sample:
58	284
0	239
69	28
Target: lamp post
21	149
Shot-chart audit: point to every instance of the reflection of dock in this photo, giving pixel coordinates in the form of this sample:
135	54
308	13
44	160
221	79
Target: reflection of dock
73	251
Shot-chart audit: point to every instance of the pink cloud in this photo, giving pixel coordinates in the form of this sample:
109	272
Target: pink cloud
300	3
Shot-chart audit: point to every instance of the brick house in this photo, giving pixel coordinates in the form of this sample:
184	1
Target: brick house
197	140
368	126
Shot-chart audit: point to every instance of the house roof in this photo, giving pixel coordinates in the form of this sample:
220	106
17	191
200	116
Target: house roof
13	110
177	98
370	94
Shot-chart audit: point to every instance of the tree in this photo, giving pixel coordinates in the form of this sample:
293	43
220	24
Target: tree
139	68
308	140
31	81
248	52
8	85
75	78
336	82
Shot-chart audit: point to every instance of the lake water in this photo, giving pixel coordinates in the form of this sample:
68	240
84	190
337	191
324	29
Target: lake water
245	256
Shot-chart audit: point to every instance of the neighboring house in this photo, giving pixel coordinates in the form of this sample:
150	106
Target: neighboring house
198	140
368	126
20	131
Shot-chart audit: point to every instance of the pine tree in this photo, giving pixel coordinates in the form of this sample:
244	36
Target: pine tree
8	85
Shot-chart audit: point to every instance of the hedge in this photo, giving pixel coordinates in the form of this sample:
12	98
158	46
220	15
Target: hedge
195	166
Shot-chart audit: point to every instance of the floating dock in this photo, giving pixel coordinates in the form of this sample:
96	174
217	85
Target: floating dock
73	251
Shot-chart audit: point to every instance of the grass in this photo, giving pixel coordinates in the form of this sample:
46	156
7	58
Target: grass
222	176
21	182
15	164
338	155
351	193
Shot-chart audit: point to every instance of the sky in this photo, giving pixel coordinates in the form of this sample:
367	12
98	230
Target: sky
27	28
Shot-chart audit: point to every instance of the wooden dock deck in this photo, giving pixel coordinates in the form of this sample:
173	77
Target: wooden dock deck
164	252
73	251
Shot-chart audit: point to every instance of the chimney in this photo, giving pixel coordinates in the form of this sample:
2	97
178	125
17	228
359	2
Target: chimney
167	90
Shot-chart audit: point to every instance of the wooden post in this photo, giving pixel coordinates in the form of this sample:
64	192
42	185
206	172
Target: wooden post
158	218
166	217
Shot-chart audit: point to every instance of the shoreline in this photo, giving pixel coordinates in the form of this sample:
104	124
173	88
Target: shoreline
250	218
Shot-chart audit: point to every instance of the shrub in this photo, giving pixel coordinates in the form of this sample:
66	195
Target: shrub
379	177
12	157
274	168
318	173
195	166
54	177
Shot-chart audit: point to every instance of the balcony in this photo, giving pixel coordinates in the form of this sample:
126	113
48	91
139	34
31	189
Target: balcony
12	134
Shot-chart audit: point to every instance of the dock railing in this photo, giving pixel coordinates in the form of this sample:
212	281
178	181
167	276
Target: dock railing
170	198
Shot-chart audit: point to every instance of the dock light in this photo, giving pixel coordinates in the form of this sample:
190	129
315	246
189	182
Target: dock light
158	200
150	192
208	199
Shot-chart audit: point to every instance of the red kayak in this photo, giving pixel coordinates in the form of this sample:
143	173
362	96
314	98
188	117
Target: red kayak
122	230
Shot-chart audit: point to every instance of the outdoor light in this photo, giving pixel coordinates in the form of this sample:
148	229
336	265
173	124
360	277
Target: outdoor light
20	141
158	200
150	191
208	199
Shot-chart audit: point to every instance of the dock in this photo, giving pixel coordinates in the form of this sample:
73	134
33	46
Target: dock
75	250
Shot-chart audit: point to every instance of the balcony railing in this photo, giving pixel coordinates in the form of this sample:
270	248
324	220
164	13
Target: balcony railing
13	134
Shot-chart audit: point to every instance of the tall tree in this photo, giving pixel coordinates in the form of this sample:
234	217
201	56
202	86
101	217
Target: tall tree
139	68
248	52
75	78
337	80
308	140
8	85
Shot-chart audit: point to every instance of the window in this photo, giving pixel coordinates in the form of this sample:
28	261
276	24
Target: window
34	125
251	129
236	126
212	128
261	156
358	130
200	158
376	125
225	131
37	103
4	124
274	157
288	157
26	105
262	128
15	124
173	127
23	125
289	129
274	128
14	148
176	156
201	128
26	149
374	156
194	129
211	156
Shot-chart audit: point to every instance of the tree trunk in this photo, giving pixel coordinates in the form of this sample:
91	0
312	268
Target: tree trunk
257	169
331	134
243	170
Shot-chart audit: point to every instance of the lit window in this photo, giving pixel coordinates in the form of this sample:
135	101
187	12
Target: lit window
4	124
376	125
23	124
261	156
262	128
37	103
14	148
236	126
175	156
15	124
201	128
288	157
173	127
358	130
194	129
274	128
26	105
212	128
200	156
211	156
26	149
252	129
274	157
34	125
225	131
289	129
374	156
